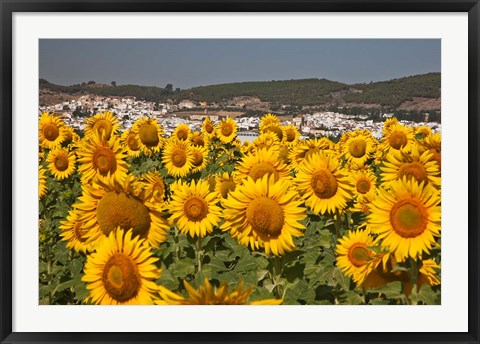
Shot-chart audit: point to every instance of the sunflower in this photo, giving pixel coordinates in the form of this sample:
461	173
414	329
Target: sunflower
264	213
198	139
149	134
268	120
381	270
265	140
226	130
121	271
389	122
427	273
323	184
224	183
398	138
307	148
420	167
364	182
103	123
406	218
200	158
131	142
359	146
278	130
208	128
61	163
207	294
264	161
154	187
74	234
182	132
42	182
51	131
178	157
107	205
194	208
433	143
354	253
71	137
292	135
99	157
422	131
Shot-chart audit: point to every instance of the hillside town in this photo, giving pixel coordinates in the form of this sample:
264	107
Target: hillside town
128	110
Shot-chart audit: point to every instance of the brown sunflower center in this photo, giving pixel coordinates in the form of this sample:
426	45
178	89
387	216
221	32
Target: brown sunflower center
266	216
324	183
227	129
262	168
119	209
209	127
104	160
415	170
290	135
179	157
358	148
50	132
409	218
104	128
121	278
363	186
277	131
68	136
226	187
195	208
197	140
182	134
359	255
148	135
398	139
132	142
61	162
197	158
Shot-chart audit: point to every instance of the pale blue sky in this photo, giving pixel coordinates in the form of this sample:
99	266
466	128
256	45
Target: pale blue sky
195	62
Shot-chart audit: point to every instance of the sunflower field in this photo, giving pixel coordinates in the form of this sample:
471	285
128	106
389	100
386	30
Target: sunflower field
197	217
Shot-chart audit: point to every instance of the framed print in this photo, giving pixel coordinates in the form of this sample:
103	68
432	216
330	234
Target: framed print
239	172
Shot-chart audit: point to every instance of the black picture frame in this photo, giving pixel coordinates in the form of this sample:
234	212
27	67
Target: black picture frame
9	7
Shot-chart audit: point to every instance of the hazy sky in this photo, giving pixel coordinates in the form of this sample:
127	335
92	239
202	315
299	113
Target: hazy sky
194	62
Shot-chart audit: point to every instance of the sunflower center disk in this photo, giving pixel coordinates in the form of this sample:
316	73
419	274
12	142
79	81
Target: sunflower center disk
408	218
359	255
195	208
266	217
209	128
226	187
415	170
182	135
103	128
132	142
262	168
197	158
227	129
324	184
51	132
398	139
358	148
122	210
363	186
121	278
148	135
61	163
277	131
104	160
290	135
179	157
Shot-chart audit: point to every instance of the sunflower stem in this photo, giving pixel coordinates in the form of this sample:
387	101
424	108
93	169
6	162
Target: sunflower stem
337	224
199	256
